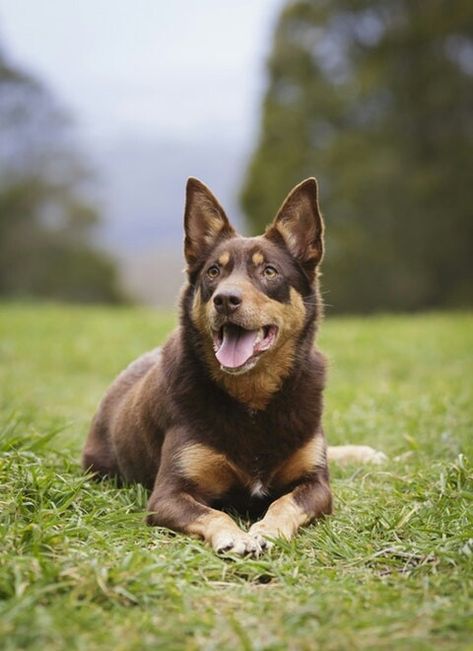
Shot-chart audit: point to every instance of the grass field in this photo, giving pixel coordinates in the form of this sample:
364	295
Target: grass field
392	569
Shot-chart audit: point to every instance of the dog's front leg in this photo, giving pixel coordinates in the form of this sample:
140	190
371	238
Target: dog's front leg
178	503
304	503
182	512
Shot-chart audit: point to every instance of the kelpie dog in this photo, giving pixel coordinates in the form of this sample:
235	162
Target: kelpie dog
228	411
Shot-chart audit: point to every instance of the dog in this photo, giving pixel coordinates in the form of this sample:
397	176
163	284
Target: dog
228	413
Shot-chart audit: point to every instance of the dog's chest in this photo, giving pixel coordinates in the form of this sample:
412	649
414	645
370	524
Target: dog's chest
256	475
256	481
258	489
249	453
218	472
241	482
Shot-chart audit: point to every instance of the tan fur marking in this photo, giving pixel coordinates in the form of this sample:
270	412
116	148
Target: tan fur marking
209	525
288	236
214	226
283	518
303	461
224	258
223	534
208	469
198	314
257	258
255	387
196	308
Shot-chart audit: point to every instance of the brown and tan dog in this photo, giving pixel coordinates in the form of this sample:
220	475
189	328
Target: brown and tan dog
228	412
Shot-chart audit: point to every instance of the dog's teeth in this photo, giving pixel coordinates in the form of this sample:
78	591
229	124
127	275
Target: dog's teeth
259	336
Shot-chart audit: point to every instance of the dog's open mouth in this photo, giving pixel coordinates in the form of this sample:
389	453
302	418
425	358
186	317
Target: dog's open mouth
237	348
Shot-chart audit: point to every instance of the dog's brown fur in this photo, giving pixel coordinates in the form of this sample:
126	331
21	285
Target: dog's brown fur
201	436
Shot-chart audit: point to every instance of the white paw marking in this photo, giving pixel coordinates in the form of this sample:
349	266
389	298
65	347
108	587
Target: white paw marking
239	543
258	532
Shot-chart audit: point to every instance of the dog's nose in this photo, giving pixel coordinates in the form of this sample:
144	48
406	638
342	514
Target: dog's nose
227	301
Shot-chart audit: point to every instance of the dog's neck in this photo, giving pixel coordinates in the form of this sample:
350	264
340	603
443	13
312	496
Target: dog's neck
256	387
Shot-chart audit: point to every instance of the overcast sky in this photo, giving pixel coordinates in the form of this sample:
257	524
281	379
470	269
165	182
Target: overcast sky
185	69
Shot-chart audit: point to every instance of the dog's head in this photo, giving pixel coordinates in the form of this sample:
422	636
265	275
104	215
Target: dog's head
251	298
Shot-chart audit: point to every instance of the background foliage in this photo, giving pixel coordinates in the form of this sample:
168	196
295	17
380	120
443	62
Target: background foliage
375	98
47	220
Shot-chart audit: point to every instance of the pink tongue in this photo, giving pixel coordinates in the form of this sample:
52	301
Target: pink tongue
237	346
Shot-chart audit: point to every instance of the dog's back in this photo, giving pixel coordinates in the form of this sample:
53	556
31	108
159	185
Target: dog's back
100	454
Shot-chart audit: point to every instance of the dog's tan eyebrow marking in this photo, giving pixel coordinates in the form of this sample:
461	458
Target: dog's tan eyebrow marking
258	258
224	258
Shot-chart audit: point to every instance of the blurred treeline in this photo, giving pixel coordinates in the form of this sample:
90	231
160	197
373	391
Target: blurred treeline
47	220
375	98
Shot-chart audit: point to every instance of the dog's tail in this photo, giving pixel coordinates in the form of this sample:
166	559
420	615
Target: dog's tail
355	454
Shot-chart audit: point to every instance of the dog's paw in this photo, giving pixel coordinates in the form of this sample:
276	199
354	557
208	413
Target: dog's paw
238	543
259	532
263	542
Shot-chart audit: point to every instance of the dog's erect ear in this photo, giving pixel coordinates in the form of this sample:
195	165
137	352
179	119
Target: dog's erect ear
299	224
205	221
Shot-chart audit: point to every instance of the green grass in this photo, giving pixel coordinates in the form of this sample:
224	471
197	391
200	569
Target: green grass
392	569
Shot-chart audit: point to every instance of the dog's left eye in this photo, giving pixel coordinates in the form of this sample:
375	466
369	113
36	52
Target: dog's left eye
213	271
270	272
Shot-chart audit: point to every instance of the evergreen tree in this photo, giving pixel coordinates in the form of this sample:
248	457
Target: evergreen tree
375	98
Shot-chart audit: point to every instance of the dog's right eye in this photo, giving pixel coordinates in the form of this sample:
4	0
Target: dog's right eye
213	271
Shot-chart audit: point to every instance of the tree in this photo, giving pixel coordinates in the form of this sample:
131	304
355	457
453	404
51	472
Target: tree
375	99
46	217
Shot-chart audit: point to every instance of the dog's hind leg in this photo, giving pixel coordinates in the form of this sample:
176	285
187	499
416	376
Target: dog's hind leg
355	454
98	456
